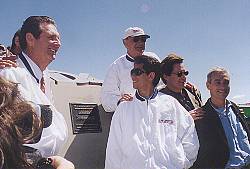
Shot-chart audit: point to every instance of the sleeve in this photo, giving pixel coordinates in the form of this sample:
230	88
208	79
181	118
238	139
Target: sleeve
187	134
114	147
110	92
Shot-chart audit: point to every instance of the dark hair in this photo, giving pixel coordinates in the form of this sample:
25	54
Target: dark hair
13	43
150	64
216	70
18	125
33	25
168	63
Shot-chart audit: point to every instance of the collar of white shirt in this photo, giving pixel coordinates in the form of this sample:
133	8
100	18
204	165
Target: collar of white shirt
36	70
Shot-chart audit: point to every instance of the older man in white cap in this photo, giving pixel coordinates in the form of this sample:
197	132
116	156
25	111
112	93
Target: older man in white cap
117	85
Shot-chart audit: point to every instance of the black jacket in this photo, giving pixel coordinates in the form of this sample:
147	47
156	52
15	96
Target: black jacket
214	150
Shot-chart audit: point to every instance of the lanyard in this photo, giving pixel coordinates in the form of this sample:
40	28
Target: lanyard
27	65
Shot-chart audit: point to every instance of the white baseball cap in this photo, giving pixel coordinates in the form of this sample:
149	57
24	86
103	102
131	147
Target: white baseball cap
135	31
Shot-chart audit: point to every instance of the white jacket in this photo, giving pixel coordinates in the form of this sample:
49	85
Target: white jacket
118	82
154	134
54	136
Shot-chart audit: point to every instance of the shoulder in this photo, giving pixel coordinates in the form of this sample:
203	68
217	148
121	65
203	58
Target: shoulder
14	72
170	104
123	109
114	66
126	104
207	106
117	63
119	59
165	98
233	104
236	108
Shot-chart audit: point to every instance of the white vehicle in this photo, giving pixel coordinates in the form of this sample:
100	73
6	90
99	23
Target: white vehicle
77	97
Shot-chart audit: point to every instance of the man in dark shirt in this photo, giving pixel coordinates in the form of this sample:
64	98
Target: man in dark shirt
174	77
223	131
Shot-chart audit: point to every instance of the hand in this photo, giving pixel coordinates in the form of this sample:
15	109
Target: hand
9	61
189	85
126	97
61	163
197	113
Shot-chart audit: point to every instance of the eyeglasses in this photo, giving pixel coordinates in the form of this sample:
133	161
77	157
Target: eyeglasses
136	72
139	38
179	74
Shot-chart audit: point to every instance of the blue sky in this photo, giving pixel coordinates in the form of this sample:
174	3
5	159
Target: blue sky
206	33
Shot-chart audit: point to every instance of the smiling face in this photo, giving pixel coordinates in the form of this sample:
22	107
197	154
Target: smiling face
174	82
219	86
139	80
135	45
142	81
44	48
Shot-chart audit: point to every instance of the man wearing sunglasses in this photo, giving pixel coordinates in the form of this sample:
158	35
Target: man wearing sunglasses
117	85
174	77
153	130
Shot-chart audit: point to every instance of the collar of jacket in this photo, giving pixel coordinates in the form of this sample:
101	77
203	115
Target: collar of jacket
227	106
141	98
210	111
129	58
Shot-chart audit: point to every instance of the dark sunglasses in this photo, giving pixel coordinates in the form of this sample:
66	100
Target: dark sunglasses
136	72
139	38
179	74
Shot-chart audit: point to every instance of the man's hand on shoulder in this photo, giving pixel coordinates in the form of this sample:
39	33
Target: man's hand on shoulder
189	85
125	97
197	113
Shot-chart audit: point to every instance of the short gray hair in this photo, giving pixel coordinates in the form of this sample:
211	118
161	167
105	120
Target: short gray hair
215	70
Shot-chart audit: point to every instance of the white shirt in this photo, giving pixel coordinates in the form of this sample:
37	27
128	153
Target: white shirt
53	137
118	81
39	74
154	134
